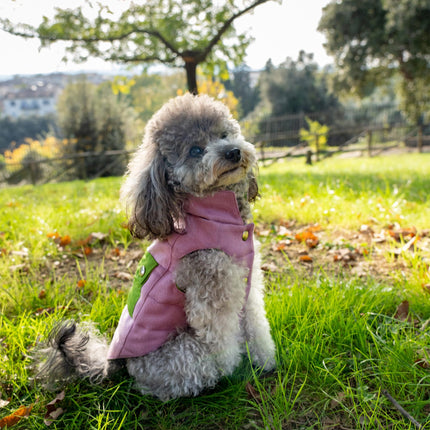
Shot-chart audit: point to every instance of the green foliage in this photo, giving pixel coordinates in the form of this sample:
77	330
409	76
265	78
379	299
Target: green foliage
296	87
150	91
241	85
176	33
372	39
315	136
93	120
17	130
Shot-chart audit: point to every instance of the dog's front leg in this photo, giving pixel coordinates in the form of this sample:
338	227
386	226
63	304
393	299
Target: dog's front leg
256	327
195	359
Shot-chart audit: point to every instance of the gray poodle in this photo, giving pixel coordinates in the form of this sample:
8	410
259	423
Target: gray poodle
196	303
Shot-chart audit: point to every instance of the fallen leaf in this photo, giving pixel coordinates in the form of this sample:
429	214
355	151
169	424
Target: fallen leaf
252	392
313	228
402	312
283	231
87	250
307	237
65	240
15	417
123	276
4	403
306	258
365	229
98	236
281	245
400	234
262	233
53	412
54	235
42	294
81	283
269	267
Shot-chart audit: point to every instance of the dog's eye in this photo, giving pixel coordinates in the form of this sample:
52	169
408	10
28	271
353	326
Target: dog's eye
224	135
196	151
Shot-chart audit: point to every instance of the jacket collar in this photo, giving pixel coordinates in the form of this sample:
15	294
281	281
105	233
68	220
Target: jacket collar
221	207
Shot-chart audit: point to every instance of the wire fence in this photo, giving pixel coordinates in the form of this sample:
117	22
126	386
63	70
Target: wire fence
278	140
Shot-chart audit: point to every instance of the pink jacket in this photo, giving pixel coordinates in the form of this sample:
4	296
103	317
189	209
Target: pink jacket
155	306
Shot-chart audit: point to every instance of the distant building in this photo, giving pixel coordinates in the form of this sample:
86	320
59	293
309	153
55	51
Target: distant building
39	99
27	95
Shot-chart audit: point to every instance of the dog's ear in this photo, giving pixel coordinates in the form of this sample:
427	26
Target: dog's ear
252	187
155	208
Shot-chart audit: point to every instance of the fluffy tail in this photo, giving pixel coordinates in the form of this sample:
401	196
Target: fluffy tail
73	352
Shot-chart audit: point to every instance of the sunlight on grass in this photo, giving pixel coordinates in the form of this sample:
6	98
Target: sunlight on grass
348	192
340	342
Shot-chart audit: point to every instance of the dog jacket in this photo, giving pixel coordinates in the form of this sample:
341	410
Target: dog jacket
155	306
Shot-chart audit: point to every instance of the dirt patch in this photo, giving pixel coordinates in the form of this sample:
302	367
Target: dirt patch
385	253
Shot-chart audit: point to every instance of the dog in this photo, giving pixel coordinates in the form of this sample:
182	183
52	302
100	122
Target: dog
196	304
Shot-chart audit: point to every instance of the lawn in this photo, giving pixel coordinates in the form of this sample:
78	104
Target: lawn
346	247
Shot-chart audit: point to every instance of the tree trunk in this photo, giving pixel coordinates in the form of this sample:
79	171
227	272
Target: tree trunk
191	68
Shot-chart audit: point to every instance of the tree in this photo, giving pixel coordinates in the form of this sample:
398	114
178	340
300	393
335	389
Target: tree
242	87
177	33
315	135
93	121
373	39
297	87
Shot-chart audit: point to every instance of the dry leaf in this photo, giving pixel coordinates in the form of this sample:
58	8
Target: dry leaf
402	312
283	231
15	417
65	240
400	234
262	233
269	267
252	392
307	237
281	245
306	258
87	250
52	412
81	283
4	403
54	235
123	276
365	229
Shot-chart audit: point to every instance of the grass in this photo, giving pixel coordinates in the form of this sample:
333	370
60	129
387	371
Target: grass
339	341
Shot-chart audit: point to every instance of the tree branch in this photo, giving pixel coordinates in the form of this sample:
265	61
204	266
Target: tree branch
401	409
225	27
33	32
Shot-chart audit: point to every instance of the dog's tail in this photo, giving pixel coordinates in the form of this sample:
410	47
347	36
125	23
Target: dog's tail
73	352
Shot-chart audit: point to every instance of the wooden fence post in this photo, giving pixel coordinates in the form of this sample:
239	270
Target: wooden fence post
317	146
420	138
369	143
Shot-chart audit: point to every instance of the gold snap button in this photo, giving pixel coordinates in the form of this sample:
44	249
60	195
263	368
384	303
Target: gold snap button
245	235
142	270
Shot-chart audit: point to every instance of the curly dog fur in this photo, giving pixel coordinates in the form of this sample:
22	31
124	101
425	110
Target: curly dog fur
192	147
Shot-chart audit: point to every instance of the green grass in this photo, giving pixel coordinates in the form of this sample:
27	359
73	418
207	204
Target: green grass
348	192
338	342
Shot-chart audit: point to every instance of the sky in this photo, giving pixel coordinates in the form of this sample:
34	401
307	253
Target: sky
280	31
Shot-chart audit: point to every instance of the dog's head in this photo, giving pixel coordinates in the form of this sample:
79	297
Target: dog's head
192	145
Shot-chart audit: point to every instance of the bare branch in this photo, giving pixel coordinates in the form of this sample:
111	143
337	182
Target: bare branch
226	26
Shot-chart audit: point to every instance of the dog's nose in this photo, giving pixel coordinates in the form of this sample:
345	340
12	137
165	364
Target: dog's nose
233	155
